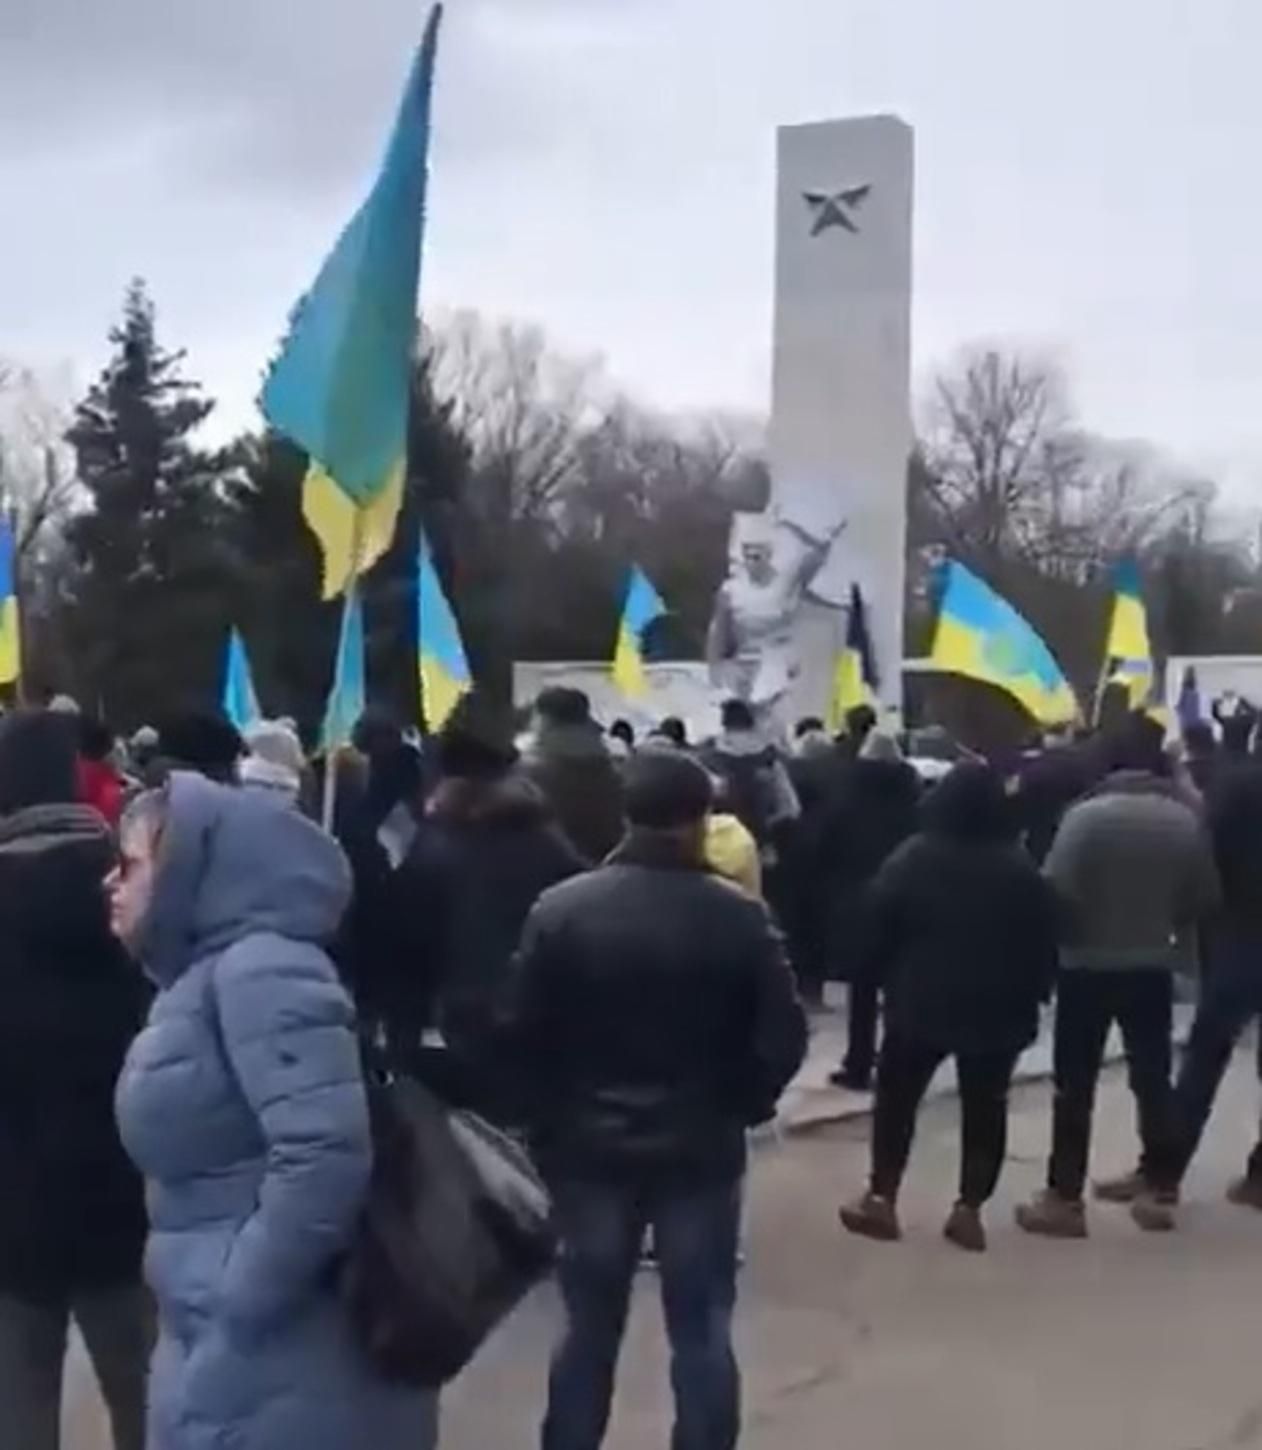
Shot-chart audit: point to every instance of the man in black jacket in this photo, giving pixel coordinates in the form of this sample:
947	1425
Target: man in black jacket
654	1021
570	763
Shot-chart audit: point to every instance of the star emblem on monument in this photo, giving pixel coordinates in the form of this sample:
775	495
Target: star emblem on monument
836	208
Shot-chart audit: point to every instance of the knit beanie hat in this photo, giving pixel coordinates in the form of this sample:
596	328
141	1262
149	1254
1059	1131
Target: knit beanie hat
275	759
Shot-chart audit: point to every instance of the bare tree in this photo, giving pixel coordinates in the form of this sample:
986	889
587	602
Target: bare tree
1004	475
524	408
992	452
37	478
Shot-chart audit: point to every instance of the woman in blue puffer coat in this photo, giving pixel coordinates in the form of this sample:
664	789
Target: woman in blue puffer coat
243	1104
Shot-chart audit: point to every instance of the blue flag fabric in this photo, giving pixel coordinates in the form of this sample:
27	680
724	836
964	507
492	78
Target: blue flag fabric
240	702
341	387
444	666
348	697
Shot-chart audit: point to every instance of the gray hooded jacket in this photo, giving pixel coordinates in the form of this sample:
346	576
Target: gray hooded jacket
242	1103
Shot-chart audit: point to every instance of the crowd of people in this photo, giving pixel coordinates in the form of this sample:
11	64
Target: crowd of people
600	943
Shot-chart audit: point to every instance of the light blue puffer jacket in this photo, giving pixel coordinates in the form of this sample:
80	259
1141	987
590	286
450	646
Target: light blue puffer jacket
242	1103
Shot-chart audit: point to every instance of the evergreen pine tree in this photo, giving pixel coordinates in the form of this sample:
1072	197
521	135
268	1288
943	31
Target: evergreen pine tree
148	597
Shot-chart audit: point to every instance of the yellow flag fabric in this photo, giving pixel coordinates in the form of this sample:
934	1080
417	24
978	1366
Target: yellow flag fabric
982	637
10	618
10	642
643	605
1129	649
331	516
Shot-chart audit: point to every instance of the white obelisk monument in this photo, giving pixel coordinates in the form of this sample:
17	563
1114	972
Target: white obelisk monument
841	431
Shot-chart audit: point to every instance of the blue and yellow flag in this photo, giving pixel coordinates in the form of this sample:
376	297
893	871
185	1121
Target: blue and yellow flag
341	387
981	637
348	697
1128	654
856	681
444	666
240	703
10	616
644	605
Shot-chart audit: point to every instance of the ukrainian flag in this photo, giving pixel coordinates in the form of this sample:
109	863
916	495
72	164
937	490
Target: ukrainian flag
240	703
856	681
10	616
341	387
444	667
644	605
981	637
1128	654
348	697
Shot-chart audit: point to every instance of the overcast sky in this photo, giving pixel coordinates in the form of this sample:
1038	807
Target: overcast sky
1088	181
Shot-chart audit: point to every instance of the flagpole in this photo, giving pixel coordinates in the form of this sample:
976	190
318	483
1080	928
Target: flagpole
352	589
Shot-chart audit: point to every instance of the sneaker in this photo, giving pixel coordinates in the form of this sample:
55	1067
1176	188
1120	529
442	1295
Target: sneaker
1246	1193
1125	1189
1154	1212
1131	1187
872	1218
965	1229
1053	1217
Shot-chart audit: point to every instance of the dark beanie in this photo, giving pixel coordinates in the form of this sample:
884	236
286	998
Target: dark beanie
38	760
1139	744
476	742
666	790
201	741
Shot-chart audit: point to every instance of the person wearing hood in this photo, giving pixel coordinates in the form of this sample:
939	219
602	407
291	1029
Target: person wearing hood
243	1104
72	1218
861	826
486	850
1137	877
570	763
963	941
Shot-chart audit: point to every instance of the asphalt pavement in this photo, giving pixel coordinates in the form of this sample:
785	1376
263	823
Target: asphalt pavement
1123	1341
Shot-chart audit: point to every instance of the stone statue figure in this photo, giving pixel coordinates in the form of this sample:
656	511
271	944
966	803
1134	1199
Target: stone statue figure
751	649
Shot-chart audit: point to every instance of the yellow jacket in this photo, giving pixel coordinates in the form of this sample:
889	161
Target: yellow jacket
732	852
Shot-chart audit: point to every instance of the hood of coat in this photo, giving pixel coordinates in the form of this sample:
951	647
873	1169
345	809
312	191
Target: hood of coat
583	740
884	777
1136	782
234	863
509	801
741	744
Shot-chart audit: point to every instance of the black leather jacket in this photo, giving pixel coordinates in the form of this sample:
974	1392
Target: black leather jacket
654	1019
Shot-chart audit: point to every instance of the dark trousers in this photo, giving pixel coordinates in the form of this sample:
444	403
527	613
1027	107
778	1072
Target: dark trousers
117	1328
864	1018
1088	1003
1230	1000
695	1234
903	1077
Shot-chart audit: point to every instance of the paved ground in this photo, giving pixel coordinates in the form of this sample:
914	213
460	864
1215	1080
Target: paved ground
812	1100
1121	1342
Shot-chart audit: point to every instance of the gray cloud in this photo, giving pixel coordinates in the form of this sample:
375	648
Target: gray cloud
605	166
